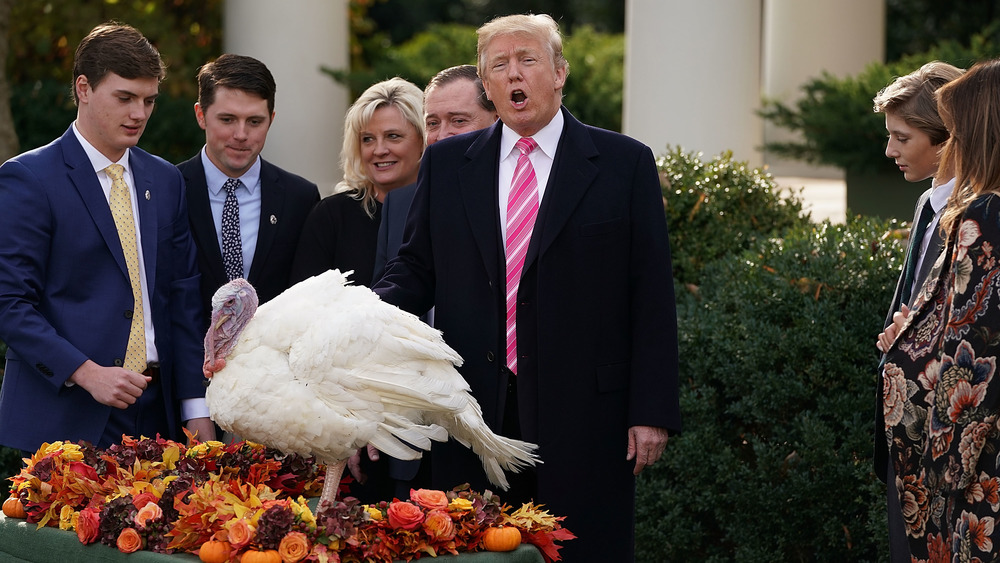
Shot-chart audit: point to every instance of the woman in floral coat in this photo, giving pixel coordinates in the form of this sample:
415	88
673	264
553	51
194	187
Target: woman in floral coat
941	390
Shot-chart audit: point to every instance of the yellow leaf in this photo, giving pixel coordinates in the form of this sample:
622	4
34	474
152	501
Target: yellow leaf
170	456
239	511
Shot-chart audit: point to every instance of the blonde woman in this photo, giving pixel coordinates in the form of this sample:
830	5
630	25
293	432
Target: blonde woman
383	143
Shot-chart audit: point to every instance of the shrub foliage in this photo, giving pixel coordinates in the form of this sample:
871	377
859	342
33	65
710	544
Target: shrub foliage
777	364
719	207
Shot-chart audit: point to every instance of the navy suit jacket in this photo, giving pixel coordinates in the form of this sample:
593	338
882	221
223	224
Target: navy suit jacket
286	200
934	248
65	294
390	238
390	230
597	330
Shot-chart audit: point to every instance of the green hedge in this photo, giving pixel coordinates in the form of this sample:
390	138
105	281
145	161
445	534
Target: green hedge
777	363
719	207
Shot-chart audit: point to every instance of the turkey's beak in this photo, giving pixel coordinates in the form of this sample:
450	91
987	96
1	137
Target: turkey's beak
221	320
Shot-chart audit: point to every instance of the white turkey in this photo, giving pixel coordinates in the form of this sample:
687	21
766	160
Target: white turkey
327	367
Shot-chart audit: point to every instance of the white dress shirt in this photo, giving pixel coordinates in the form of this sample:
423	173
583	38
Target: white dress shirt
541	159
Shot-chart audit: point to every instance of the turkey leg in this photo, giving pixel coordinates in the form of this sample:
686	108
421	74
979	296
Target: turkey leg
332	482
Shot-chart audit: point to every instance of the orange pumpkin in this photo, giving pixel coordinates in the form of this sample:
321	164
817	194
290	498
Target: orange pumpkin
12	508
269	556
214	551
504	538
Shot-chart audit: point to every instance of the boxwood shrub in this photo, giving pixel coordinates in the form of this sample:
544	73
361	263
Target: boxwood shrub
719	207
777	365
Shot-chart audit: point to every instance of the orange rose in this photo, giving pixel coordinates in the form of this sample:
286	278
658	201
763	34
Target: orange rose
405	515
240	533
129	541
439	526
148	513
294	547
88	525
142	499
429	499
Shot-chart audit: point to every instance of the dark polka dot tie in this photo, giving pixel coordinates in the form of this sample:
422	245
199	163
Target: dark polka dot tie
232	244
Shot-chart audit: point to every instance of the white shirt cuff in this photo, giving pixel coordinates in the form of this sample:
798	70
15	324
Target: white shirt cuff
194	408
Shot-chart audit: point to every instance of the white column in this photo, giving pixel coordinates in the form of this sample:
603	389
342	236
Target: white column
803	39
294	38
692	75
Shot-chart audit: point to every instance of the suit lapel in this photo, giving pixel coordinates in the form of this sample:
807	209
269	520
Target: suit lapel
145	195
572	174
934	249
202	224
478	188
84	179
271	204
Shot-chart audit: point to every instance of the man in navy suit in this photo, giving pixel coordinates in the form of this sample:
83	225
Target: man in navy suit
236	108
592	375
103	329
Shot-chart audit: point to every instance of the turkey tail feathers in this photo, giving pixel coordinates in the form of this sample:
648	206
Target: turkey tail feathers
497	453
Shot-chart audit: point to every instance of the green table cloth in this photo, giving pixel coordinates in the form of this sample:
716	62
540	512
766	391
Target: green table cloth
20	541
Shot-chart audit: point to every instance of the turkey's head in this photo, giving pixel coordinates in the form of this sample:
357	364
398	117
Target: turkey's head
233	305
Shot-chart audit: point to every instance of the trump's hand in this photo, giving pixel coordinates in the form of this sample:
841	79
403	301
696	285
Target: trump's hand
645	445
354	463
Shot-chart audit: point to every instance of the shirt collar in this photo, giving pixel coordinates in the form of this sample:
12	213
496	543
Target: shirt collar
216	179
98	160
940	195
547	137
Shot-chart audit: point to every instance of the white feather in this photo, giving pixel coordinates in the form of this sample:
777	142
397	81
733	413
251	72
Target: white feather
327	367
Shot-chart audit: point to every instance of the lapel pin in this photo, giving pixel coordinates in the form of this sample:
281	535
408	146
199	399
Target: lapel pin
274	220
147	195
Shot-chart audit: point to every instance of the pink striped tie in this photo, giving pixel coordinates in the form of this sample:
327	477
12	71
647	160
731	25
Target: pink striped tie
522	207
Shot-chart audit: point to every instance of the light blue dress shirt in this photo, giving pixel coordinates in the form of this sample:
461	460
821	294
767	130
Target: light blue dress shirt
248	195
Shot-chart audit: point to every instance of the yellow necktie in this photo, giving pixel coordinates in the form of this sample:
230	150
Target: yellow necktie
121	210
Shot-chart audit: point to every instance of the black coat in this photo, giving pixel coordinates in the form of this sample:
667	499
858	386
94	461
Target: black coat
597	334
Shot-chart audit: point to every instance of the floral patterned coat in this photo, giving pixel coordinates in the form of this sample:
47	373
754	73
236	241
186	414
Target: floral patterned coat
941	402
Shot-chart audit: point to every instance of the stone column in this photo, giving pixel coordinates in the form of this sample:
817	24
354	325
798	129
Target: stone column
695	72
294	38
803	39
692	75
